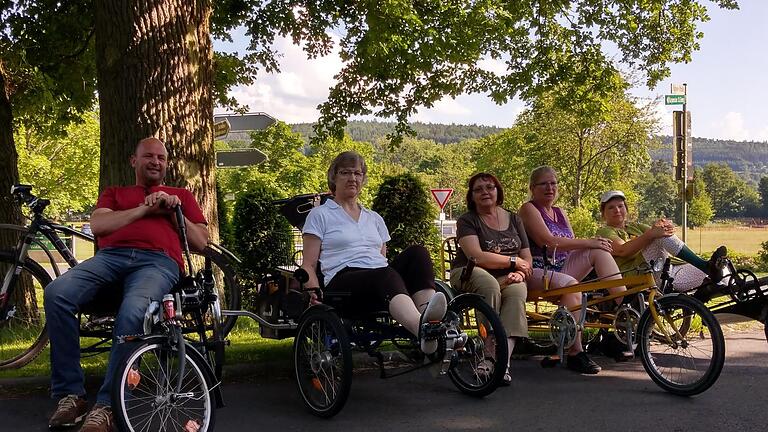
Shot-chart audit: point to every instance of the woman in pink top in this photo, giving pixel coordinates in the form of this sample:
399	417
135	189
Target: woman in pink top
572	258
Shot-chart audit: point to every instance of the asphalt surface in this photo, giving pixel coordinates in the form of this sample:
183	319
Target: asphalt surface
622	397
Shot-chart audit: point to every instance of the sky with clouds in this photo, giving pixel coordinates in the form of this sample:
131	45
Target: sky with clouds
727	83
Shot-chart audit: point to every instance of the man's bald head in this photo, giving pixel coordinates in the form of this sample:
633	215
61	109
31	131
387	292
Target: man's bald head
149	161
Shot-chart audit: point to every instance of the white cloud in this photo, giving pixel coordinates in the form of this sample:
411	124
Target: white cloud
293	94
762	135
731	126
492	65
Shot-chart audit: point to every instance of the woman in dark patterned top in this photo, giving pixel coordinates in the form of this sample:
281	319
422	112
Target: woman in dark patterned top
495	239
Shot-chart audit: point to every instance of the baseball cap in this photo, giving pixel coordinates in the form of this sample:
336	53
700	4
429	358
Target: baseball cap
610	195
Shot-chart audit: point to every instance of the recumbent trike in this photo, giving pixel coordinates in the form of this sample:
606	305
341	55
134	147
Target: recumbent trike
470	337
679	341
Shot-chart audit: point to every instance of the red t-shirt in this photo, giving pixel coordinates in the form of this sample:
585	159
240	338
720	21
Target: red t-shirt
157	232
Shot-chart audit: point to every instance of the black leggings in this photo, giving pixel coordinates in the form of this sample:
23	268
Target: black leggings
372	289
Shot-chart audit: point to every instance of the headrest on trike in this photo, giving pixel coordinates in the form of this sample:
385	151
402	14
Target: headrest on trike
296	208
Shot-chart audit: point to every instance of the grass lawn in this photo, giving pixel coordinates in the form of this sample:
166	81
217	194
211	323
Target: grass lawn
246	347
738	239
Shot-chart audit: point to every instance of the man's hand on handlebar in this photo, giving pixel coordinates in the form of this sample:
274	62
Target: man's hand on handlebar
161	202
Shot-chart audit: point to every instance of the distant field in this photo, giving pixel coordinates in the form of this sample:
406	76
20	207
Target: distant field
738	239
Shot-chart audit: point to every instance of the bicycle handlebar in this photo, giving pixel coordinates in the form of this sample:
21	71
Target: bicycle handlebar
183	236
23	195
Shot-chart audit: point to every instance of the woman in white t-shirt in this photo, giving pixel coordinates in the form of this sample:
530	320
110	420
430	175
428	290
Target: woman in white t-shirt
350	242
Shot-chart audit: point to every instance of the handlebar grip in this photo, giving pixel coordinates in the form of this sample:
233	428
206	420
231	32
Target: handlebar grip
301	275
180	217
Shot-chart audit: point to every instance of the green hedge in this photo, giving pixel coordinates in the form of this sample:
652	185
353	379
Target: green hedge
405	205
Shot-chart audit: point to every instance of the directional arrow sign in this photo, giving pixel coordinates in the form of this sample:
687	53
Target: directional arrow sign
441	196
246	122
239	158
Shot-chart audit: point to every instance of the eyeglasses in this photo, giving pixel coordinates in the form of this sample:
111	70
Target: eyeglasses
552	184
487	188
350	173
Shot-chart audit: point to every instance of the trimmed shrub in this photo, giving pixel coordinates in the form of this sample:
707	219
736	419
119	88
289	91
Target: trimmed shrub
261	237
404	203
762	257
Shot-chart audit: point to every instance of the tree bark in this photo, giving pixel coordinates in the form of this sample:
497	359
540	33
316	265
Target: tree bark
24	298
154	65
9	171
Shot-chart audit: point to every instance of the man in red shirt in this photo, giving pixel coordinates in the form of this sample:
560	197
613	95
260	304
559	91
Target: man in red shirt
140	252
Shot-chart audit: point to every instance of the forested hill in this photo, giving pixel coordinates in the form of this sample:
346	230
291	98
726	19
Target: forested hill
368	131
748	158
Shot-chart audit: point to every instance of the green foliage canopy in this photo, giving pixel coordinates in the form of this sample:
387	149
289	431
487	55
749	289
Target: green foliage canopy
731	196
399	55
593	146
63	168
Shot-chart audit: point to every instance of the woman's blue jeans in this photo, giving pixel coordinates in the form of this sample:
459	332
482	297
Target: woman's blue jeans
143	276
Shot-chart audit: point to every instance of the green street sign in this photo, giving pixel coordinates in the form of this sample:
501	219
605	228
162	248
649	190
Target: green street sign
674	99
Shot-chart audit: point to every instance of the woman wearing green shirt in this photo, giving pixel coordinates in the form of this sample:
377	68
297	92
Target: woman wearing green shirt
635	244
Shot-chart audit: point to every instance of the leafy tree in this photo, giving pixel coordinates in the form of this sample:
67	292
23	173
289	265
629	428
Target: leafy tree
437	165
730	195
287	170
402	55
700	210
63	168
404	204
762	189
660	193
47	77
593	144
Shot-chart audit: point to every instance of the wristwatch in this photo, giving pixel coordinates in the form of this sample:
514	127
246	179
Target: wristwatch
512	261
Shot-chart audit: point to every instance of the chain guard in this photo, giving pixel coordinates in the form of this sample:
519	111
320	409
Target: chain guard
624	315
563	328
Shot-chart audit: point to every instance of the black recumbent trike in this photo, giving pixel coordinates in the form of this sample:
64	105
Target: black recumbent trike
472	349
741	296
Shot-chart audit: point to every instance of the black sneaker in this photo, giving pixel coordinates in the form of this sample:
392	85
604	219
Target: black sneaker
716	264
581	363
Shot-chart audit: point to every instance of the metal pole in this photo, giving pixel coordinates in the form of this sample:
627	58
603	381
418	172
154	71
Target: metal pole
685	164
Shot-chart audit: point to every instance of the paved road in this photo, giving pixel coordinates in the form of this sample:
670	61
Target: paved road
622	398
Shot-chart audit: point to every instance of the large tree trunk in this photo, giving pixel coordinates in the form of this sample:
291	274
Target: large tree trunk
154	64
10	212
9	171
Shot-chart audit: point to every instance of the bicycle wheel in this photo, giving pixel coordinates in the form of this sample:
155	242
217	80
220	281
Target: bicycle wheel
689	360
228	286
323	362
144	396
216	341
23	333
478	368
